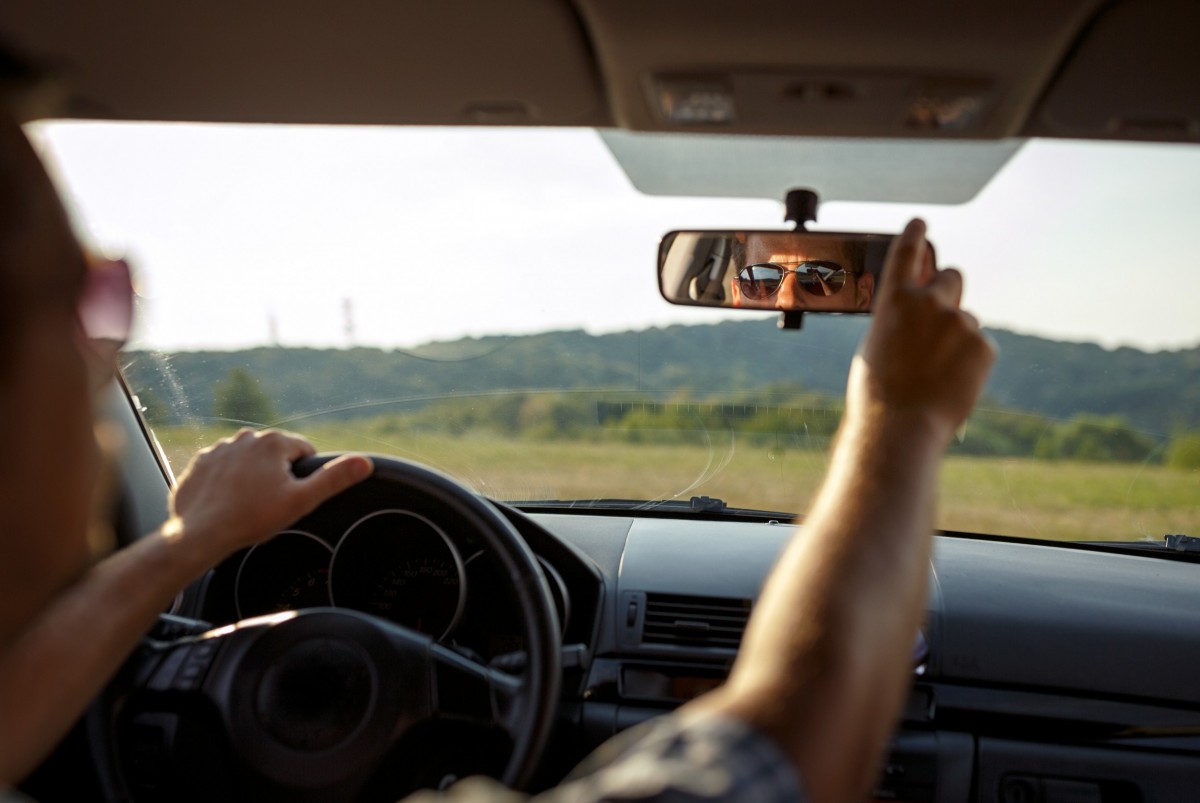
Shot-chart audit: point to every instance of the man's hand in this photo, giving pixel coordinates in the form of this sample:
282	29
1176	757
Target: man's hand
924	358
241	490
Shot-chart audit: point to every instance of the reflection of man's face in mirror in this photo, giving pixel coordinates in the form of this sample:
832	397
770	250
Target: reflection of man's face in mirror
812	279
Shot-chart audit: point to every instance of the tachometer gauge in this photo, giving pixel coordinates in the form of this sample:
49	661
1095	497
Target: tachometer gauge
400	566
420	591
287	573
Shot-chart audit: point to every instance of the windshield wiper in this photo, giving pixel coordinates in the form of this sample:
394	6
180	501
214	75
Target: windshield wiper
1181	543
1171	543
705	506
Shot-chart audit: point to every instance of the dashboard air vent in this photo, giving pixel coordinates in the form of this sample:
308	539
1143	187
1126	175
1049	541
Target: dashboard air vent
695	621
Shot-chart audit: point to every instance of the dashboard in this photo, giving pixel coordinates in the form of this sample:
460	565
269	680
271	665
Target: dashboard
1043	673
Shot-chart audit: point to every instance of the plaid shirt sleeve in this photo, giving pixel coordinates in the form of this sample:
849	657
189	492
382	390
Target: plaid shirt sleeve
662	761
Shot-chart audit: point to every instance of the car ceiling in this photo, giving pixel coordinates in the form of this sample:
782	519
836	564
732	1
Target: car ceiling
866	68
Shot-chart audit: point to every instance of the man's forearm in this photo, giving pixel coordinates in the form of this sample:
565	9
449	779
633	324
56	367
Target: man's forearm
50	672
820	667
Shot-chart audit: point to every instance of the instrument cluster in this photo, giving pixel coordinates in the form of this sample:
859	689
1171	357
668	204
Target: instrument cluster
396	564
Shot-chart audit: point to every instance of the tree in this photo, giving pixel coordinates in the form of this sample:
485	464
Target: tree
1097	438
1184	451
240	399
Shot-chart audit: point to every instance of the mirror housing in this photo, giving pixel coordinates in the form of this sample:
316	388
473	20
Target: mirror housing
788	271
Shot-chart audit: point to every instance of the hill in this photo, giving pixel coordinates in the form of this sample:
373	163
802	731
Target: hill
1158	392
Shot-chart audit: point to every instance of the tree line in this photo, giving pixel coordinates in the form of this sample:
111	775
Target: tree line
781	416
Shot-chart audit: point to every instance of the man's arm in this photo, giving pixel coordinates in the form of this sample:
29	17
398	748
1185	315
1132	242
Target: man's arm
825	664
232	495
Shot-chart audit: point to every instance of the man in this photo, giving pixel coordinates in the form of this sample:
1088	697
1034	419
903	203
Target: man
823	668
791	271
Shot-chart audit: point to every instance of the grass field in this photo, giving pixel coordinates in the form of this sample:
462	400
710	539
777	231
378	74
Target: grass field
1054	500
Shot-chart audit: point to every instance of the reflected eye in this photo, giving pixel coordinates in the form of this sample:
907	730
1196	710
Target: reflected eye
819	279
760	281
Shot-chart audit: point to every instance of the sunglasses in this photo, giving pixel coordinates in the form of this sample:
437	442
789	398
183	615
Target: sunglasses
105	307
762	280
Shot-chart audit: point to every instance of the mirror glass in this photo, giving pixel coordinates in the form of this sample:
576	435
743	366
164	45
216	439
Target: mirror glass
784	270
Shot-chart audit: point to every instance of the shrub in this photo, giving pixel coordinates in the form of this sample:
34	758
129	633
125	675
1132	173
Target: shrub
1184	451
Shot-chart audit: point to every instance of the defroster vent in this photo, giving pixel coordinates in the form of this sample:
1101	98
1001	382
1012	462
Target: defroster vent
695	621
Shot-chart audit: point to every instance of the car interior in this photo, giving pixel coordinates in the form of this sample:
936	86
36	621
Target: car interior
1045	671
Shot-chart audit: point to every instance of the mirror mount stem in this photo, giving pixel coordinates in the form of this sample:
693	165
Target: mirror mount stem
791	319
800	207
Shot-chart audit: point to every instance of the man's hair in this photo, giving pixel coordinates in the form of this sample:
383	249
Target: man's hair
19	82
855	251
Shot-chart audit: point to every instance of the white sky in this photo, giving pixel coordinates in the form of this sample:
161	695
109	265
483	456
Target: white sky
239	233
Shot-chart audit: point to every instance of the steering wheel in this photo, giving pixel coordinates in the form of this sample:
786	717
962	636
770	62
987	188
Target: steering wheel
307	705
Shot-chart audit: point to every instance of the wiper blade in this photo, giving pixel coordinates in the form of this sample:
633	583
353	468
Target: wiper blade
702	505
1181	543
1171	543
1175	542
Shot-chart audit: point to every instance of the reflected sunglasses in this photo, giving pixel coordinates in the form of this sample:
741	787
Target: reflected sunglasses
105	307
762	280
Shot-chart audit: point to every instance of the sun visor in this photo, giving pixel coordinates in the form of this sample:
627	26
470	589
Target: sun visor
451	62
1133	76
889	171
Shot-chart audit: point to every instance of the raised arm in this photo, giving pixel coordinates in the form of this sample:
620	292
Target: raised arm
825	664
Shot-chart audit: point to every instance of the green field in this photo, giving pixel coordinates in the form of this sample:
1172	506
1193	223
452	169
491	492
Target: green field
1058	500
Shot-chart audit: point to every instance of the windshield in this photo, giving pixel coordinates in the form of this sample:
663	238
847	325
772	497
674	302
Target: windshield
485	302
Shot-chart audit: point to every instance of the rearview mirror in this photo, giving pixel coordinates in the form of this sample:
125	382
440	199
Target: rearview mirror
773	270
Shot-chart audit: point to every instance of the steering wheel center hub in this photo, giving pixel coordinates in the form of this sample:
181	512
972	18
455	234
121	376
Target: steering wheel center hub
317	694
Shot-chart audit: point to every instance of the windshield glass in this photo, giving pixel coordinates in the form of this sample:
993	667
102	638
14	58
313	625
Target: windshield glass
485	301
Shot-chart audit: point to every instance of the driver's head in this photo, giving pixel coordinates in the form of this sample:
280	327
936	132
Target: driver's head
800	273
51	463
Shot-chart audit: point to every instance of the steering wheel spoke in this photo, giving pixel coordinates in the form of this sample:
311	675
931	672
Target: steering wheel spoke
466	689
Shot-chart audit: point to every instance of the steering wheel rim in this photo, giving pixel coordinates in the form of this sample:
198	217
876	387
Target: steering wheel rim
543	640
529	704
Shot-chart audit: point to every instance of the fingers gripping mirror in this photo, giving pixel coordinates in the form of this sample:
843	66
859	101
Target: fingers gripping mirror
773	270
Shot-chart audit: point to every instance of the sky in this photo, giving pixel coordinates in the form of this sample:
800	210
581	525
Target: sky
250	235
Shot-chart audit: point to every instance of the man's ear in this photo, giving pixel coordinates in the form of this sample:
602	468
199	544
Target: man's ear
735	293
866	290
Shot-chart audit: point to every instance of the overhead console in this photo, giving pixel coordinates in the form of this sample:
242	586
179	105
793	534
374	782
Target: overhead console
759	67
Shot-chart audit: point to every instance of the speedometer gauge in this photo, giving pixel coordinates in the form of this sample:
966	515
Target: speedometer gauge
400	566
287	573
